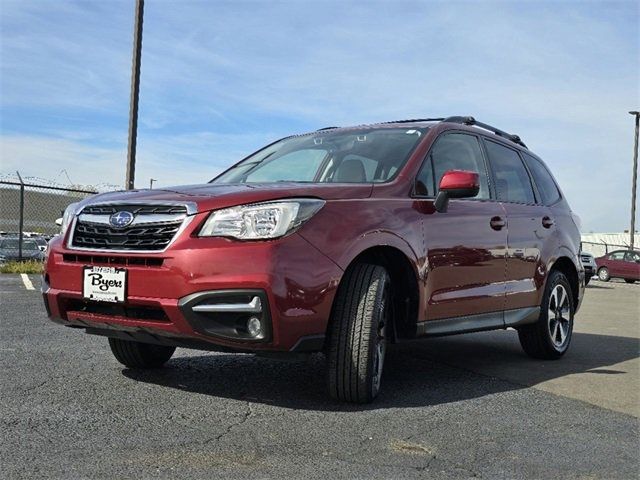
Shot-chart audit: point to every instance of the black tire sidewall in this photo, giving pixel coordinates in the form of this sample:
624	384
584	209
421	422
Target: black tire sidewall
353	333
378	312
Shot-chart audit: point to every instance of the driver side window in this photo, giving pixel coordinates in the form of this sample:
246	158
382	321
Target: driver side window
452	151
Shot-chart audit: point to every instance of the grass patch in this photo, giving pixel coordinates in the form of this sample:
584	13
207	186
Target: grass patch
27	266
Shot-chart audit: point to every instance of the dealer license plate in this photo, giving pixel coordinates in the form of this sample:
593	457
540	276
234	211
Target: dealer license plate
105	284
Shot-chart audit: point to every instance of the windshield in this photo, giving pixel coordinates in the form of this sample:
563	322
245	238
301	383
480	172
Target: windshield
338	156
11	244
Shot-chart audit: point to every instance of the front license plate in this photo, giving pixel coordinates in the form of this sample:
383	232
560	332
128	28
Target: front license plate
105	284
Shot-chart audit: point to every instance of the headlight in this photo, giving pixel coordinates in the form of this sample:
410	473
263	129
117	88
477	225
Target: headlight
260	220
67	217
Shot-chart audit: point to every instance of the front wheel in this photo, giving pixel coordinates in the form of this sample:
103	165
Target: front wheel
140	355
603	274
357	336
550	336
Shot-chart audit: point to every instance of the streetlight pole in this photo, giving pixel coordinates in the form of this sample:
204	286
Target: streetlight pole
135	89
634	178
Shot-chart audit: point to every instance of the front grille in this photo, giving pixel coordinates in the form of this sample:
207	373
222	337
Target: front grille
152	229
120	261
135	209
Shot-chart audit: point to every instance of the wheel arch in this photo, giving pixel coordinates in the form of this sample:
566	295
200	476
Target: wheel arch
404	284
567	267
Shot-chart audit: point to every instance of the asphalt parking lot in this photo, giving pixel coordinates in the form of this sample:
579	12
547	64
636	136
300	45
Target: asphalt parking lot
471	406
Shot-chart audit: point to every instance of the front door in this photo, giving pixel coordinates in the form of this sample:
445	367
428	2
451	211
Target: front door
465	245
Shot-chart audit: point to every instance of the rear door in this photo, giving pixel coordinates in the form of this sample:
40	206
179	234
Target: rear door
616	263
465	245
530	225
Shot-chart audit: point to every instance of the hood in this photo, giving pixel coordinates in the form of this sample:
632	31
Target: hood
210	196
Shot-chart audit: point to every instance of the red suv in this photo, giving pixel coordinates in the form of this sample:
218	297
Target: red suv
341	240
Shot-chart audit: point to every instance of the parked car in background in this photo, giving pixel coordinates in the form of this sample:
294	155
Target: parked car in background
339	241
9	249
41	242
589	264
623	264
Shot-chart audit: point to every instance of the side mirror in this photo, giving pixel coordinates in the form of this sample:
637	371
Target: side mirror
456	184
59	221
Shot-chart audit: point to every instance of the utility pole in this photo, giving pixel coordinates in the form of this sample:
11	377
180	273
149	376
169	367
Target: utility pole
151	180
634	179
135	89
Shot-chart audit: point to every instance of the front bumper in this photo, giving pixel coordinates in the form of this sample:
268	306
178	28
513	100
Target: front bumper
295	282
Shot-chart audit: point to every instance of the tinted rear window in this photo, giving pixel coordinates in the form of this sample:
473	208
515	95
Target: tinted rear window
543	180
512	179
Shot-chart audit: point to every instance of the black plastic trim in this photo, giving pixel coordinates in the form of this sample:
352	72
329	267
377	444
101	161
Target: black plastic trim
478	323
309	343
219	325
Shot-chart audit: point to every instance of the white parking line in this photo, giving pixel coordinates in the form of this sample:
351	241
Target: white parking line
27	282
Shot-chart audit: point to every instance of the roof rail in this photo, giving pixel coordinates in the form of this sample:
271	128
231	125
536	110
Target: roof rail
411	120
326	128
497	131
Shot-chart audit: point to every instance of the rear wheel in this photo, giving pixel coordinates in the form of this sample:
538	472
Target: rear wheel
550	336
357	337
629	280
603	274
140	355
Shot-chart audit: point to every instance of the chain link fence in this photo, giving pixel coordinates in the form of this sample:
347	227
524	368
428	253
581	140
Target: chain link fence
30	211
599	249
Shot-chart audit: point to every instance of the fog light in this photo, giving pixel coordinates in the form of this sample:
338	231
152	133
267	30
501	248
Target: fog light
254	326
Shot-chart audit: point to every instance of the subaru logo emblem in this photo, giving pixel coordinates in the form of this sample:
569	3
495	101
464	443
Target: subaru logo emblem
121	219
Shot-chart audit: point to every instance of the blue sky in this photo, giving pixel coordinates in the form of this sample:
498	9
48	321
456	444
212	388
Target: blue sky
220	79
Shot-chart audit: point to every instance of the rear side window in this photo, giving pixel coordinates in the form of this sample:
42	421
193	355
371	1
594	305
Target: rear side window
512	179
543	180
452	151
632	257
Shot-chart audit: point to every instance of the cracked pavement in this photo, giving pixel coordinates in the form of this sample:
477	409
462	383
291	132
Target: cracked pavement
471	406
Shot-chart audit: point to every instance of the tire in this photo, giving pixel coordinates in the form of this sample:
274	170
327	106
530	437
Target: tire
357	335
629	280
140	355
603	274
550	336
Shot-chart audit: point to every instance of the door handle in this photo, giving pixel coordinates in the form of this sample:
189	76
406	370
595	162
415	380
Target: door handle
498	223
547	222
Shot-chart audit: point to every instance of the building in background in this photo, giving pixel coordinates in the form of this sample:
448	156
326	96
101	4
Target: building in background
599	244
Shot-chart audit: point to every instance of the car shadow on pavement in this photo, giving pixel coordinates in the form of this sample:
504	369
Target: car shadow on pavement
420	373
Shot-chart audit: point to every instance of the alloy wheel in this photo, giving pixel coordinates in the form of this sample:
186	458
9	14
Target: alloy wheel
559	315
603	274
